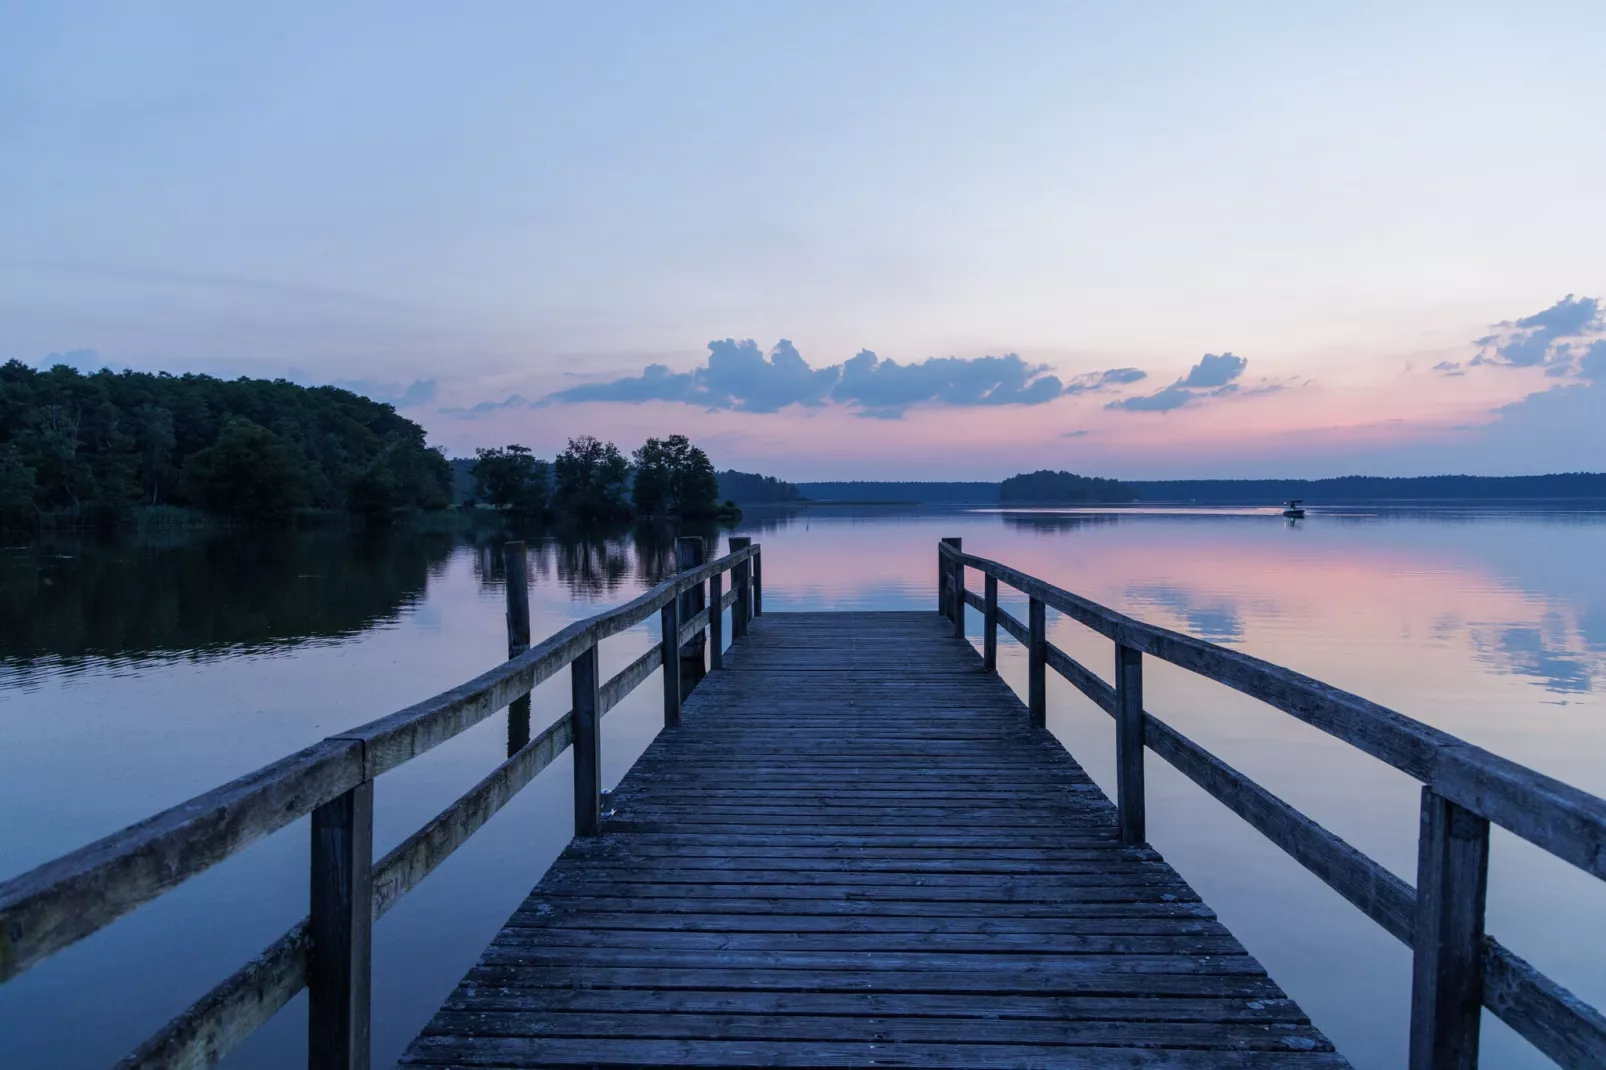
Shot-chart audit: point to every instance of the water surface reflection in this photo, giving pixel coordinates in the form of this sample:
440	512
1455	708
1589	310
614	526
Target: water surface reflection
134	674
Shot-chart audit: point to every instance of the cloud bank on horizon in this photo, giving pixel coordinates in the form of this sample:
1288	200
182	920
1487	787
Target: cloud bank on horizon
738	376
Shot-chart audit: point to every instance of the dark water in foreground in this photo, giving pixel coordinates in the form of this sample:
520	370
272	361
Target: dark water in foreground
135	674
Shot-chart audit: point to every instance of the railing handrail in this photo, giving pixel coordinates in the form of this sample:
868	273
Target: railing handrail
68	898
1566	821
1465	786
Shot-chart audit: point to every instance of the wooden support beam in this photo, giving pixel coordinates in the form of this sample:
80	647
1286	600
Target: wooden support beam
741	582
517	584
1037	663
669	626
587	713
716	622
946	602
1129	743
690	553
1452	880
958	592
989	627
758	582
340	968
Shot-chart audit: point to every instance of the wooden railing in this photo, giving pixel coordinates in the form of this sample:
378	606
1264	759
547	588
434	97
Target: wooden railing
1457	968
61	902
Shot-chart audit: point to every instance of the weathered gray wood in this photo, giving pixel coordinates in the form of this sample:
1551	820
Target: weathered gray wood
586	714
690	628
741	607
517	587
225	1016
669	654
957	571
1552	1019
340	925
989	625
1452	875
758	583
629	678
947	581
216	1023
1036	662
419	854
716	623
1129	743
1382	896
1017	631
63	901
398	738
1562	819
850	812
1083	679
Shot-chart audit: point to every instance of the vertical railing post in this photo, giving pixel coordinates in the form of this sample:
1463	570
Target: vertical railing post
716	622
959	594
688	555
1037	663
741	584
989	626
669	625
587	743
947	576
517	576
1452	881
340	968
1129	795
758	582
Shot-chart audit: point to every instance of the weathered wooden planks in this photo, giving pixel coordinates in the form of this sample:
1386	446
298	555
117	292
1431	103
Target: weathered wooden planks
857	850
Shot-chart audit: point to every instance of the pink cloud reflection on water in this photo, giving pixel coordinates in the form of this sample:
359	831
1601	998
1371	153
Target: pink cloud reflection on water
1445	621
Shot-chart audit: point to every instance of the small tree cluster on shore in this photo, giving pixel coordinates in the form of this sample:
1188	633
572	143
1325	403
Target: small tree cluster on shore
591	481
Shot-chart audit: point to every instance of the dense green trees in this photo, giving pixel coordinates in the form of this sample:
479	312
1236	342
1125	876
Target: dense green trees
591	481
1044	486
673	476
88	448
512	479
751	487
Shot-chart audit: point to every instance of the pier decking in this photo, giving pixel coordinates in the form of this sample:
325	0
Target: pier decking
852	845
856	851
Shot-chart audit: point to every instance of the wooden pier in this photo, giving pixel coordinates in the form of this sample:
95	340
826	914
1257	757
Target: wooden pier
853	845
856	851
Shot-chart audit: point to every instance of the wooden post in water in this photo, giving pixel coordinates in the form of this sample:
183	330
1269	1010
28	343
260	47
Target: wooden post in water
688	555
517	575
1129	743
587	743
1452	881
716	622
989	626
669	625
741	583
946	579
340	969
1037	662
758	582
958	590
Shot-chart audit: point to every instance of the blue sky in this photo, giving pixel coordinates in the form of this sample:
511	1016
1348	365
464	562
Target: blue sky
452	207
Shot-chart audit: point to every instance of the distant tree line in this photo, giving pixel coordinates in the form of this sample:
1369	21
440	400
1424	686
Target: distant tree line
911	491
1046	487
91	449
592	481
750	487
1376	488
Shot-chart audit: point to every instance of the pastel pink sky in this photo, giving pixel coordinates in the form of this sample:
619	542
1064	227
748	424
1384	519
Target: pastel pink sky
447	212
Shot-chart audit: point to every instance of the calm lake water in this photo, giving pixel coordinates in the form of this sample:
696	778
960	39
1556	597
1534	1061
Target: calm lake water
134	674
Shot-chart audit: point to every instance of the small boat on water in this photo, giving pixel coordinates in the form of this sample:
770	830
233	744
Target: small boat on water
1294	510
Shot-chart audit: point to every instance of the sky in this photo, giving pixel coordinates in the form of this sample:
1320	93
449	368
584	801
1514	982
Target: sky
885	240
